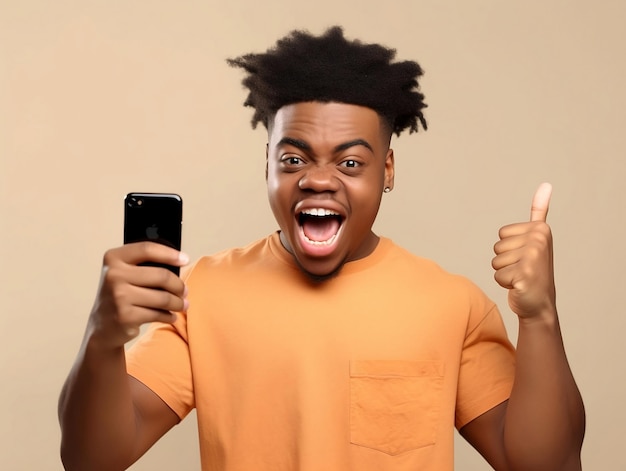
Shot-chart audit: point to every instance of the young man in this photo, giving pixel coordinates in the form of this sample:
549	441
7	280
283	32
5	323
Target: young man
325	346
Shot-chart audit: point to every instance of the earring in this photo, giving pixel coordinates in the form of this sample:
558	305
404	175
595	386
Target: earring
387	189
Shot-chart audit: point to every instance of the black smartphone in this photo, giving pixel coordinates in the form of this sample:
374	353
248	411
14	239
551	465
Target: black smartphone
157	217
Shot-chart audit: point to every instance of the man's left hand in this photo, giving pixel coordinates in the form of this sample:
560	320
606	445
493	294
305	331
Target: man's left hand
523	261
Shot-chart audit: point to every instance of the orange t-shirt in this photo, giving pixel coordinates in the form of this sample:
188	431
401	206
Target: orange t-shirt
370	370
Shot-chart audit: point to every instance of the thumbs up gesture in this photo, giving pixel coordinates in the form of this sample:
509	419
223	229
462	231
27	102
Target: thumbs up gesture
523	261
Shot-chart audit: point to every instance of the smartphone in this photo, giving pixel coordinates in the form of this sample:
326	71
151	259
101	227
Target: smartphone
156	217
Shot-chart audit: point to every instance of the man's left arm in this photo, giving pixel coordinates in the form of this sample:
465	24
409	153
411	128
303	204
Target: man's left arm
542	425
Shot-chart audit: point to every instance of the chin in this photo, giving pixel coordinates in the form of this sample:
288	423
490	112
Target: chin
320	276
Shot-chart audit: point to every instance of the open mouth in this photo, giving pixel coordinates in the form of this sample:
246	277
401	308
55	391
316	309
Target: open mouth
320	226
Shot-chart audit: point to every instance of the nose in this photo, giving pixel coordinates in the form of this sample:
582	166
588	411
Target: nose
319	179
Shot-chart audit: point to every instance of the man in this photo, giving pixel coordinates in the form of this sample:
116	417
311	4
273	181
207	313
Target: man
325	346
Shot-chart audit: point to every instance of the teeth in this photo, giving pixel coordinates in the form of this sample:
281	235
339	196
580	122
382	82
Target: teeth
321	242
319	212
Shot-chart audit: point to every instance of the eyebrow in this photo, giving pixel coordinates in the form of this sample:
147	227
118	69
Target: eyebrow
302	145
355	142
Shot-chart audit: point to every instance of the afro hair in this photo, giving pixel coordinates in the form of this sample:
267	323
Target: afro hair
329	68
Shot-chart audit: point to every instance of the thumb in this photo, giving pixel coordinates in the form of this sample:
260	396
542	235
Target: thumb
541	203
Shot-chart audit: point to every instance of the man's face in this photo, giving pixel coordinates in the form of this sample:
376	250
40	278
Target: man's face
327	166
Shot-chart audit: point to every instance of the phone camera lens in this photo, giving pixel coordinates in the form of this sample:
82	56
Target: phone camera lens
135	202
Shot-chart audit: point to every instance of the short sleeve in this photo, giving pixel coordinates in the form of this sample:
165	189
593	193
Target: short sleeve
487	368
160	360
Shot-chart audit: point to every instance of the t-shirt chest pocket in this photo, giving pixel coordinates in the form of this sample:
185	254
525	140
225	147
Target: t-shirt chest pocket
395	405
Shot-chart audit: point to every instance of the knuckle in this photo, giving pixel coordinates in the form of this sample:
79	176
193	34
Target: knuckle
123	315
539	235
120	297
146	249
132	331
533	252
179	305
130	316
537	248
110	275
499	277
526	271
165	300
110	257
164	276
543	228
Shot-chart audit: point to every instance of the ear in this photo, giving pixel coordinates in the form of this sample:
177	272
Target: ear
389	170
267	147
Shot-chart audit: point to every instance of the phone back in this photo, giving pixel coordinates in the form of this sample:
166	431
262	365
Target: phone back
154	217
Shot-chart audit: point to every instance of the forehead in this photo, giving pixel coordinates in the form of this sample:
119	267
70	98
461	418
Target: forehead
328	121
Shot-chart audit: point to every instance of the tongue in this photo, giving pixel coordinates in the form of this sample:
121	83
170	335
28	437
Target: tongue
320	229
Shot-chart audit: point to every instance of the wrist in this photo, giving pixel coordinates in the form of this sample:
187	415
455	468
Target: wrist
98	345
546	318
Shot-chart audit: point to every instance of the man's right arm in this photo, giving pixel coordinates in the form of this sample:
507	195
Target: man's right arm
109	419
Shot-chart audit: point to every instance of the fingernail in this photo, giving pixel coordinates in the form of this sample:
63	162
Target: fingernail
185	305
183	258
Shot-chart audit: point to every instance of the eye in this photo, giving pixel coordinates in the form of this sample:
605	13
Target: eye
292	160
350	163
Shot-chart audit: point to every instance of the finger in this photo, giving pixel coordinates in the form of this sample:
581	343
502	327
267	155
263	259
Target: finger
511	241
147	251
118	276
139	315
507	277
515	230
156	299
506	259
156	277
541	203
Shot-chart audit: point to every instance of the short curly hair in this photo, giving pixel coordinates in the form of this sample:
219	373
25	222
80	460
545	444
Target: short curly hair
329	68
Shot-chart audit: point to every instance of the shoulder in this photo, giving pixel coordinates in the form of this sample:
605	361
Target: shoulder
234	255
259	253
424	268
423	274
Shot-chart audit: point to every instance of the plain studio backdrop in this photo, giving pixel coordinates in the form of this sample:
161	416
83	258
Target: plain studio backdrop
101	98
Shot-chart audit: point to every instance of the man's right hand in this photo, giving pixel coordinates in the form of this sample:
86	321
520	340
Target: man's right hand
130	295
109	419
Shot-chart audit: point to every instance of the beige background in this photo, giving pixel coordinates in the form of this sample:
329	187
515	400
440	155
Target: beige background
99	98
